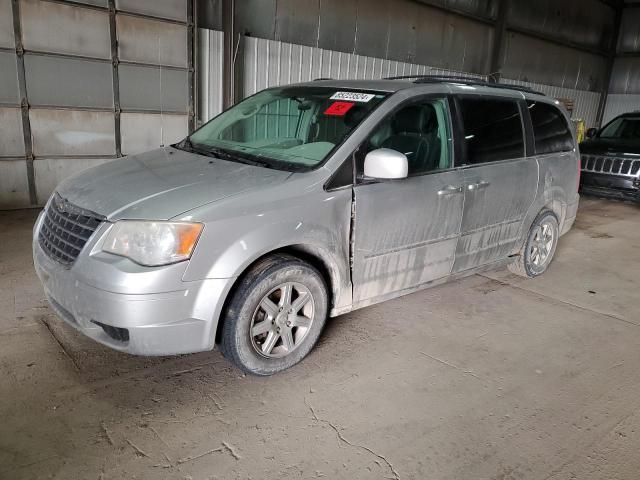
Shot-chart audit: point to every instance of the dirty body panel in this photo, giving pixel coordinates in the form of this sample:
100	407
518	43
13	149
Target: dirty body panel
405	233
494	211
558	173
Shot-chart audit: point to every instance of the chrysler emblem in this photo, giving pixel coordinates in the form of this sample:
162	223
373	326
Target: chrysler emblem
61	204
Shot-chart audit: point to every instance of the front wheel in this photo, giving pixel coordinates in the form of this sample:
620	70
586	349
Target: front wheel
275	316
538	251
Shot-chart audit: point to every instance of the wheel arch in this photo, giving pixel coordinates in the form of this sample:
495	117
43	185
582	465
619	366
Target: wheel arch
557	208
554	206
547	202
314	256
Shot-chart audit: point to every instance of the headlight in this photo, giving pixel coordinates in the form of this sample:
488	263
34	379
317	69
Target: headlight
153	243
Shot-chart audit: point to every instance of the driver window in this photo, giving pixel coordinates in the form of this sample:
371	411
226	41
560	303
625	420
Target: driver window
420	131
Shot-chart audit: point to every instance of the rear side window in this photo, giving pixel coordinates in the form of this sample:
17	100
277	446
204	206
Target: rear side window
551	132
492	129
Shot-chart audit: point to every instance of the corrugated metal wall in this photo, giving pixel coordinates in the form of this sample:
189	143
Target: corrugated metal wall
268	63
588	23
629	38
403	30
70	90
296	40
534	60
210	70
14	186
424	33
624	89
618	103
585	102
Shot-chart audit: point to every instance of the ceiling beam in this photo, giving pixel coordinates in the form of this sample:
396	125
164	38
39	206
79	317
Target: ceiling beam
497	49
608	74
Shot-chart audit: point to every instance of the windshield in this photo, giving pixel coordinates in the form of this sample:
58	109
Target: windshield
622	127
289	128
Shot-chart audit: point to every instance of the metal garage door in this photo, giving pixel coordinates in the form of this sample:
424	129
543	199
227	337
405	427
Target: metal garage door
85	82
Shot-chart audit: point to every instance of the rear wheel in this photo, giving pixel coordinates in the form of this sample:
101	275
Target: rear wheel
275	315
538	251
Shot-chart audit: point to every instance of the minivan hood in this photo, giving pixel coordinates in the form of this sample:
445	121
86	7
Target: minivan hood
162	184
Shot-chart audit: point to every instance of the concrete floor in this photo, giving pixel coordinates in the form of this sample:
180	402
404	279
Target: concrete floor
491	377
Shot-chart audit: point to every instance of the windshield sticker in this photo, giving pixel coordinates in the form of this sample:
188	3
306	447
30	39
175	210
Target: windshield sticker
338	109
352	96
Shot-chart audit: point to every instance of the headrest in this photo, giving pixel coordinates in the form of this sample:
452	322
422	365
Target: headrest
410	120
354	116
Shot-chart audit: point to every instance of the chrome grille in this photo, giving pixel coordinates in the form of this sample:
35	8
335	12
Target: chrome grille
65	230
611	165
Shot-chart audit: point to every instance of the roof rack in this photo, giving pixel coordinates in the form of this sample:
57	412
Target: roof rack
436	78
464	80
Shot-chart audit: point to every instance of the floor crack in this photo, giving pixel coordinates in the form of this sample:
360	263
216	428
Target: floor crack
348	442
444	362
64	350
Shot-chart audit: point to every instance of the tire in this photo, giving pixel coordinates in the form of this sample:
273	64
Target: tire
536	254
291	325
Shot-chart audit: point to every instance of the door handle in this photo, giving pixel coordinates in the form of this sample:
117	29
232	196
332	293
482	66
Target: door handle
449	190
478	185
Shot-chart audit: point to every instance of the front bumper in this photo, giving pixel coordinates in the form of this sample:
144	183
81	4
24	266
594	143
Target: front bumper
610	186
165	323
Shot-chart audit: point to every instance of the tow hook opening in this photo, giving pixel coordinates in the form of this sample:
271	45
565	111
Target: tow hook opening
116	333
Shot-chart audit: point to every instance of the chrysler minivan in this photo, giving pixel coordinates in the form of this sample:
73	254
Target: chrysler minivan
303	202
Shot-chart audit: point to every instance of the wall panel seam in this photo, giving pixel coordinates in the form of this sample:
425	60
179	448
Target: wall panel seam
152	17
71	3
100	59
115	76
191	76
118	11
24	102
153	65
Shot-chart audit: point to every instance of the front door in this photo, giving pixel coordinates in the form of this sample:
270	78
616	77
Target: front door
406	231
500	181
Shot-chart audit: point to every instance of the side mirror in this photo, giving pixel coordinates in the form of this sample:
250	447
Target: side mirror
592	132
385	163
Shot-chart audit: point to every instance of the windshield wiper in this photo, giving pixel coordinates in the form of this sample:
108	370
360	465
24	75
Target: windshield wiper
233	156
187	145
214	152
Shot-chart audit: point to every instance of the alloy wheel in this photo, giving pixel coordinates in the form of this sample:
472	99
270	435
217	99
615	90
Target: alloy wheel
282	320
541	244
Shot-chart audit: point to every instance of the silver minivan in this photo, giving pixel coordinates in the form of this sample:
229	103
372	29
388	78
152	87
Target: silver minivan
303	202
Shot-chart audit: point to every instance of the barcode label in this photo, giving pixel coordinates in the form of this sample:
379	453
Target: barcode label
352	96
